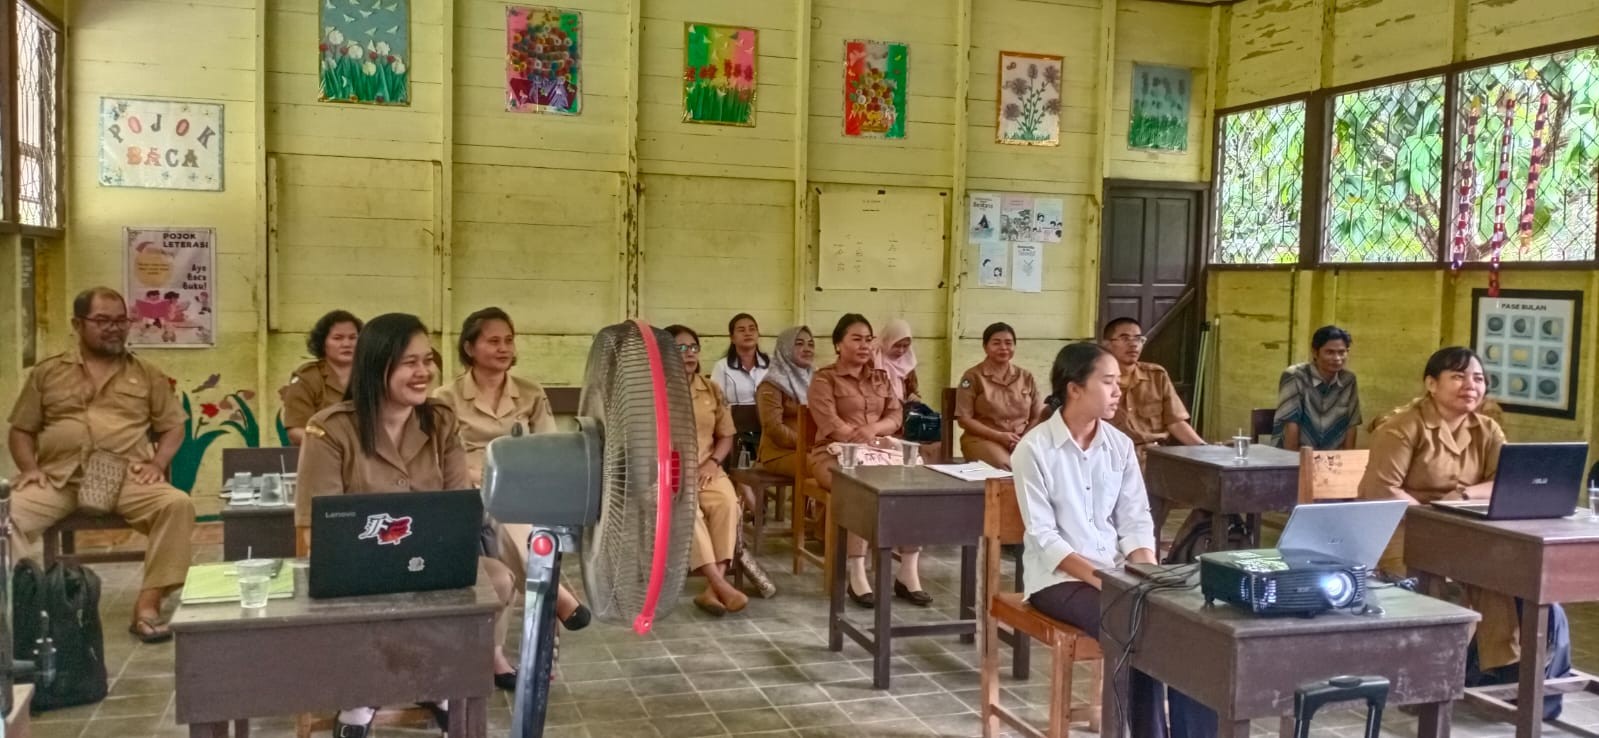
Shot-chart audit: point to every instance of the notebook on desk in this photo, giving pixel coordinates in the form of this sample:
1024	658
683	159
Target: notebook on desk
1535	481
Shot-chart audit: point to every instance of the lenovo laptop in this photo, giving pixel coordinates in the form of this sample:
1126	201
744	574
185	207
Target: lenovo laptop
1535	481
1350	532
396	542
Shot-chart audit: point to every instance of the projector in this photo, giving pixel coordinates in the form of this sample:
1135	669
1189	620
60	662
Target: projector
1273	582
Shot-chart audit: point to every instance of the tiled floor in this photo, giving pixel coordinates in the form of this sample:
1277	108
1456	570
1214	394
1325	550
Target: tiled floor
765	671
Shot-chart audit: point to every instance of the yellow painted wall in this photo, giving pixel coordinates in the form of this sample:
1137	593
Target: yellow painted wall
1265	318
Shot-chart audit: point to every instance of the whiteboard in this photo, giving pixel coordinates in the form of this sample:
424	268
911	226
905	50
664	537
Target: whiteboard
878	240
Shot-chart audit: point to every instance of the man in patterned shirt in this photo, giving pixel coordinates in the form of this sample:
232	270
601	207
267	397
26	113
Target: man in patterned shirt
1318	404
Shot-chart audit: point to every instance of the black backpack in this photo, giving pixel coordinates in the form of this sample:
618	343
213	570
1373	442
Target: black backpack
70	595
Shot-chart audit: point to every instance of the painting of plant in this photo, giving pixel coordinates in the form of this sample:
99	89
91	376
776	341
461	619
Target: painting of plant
543	60
874	89
364	51
719	75
204	425
1029	99
1159	119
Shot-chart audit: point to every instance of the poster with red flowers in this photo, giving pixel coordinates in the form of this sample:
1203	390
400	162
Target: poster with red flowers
1029	99
719	75
543	60
874	89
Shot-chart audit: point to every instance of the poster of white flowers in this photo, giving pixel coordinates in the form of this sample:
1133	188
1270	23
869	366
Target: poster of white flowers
1029	99
364	51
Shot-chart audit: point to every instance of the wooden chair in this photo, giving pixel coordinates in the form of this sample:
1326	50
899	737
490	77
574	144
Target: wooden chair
946	429
60	540
259	461
1262	422
1326	476
760	485
1002	525
563	400
806	488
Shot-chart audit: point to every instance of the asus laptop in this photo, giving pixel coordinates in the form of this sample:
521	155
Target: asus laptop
397	542
1535	481
1351	532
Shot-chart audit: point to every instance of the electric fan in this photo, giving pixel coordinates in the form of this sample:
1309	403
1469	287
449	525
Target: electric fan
621	486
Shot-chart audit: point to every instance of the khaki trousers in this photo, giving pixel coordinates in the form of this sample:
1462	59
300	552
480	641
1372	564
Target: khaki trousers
716	527
982	449
160	511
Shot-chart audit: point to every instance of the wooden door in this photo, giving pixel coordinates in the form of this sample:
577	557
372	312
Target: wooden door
1149	269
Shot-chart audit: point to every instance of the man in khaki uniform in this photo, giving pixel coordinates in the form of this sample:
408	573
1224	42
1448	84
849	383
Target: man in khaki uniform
100	397
1150	412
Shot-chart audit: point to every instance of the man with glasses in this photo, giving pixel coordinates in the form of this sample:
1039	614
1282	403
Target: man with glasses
97	407
1150	411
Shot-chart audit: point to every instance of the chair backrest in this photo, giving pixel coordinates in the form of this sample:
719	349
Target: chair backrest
1261	422
563	400
259	461
946	429
1002	526
805	437
1330	475
747	419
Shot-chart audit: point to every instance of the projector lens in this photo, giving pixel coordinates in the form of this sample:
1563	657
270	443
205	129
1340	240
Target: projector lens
1339	588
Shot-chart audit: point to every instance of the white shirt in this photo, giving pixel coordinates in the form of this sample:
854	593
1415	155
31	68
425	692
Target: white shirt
1090	502
737	385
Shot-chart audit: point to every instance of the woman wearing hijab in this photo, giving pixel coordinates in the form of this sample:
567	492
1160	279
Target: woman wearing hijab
896	356
780	396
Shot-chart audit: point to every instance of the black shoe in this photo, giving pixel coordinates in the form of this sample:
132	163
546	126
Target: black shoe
918	598
578	620
440	715
350	730
506	681
868	600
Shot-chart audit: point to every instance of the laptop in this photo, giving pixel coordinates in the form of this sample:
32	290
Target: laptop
395	542
1536	481
1352	532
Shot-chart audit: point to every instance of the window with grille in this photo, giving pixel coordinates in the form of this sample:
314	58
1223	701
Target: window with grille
1385	173
1527	169
1259	181
38	44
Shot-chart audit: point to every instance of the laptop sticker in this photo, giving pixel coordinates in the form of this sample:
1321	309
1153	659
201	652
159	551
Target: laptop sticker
416	564
387	530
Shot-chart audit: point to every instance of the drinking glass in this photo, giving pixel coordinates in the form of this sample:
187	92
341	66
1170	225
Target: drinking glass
255	581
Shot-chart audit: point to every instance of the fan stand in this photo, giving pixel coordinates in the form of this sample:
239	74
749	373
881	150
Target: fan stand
536	663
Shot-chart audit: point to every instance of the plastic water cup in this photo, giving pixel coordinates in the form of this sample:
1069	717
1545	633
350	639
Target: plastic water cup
271	490
847	460
911	452
291	482
1241	448
1593	503
255	581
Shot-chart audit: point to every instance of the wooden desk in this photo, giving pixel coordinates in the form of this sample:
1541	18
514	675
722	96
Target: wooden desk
902	506
1543	562
1244	666
304	655
1213	482
267	532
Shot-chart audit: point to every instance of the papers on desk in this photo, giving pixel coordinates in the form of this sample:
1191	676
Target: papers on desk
208	583
975	471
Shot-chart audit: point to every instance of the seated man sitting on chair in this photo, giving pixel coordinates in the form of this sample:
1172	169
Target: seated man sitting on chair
98	405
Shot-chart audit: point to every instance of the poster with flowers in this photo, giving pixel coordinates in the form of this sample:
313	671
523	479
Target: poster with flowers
1029	99
874	89
365	50
543	60
719	75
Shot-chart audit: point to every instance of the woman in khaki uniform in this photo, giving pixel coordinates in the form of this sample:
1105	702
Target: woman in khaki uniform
319	384
491	403
389	437
854	402
1443	448
716	527
996	401
782	393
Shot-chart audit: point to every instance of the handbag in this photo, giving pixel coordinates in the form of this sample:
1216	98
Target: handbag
922	423
103	475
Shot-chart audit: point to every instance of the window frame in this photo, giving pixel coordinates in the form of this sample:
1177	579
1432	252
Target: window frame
10	138
1214	211
1318	168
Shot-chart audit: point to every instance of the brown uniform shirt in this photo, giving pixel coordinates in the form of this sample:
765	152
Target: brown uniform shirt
1002	399
312	388
779	422
1149	404
69	417
841	403
713	417
522	403
332	462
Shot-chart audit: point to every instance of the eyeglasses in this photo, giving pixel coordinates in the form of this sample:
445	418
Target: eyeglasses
688	348
104	323
1132	340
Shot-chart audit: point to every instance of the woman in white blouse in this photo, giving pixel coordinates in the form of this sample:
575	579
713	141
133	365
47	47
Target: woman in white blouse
742	369
1083	499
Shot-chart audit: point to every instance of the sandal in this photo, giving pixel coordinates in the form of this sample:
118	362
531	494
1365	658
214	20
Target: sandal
148	631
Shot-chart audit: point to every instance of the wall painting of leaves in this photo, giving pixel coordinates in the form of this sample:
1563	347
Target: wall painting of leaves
1159	119
365	51
719	75
1029	99
543	60
874	89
